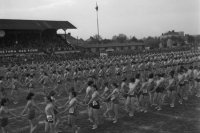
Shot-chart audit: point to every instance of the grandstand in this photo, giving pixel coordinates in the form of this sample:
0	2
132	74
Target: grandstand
32	36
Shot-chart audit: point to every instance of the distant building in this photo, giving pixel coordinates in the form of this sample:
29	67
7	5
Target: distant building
192	40
160	45
196	40
170	43
110	47
173	39
172	34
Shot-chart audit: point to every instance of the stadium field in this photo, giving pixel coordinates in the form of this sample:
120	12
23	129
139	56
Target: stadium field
183	118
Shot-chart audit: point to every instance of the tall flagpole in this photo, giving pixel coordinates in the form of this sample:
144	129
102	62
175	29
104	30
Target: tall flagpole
97	9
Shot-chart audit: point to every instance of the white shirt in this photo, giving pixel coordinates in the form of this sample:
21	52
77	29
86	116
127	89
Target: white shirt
150	80
72	101
88	91
159	81
132	87
189	72
198	74
195	73
180	77
106	89
137	81
115	94
122	85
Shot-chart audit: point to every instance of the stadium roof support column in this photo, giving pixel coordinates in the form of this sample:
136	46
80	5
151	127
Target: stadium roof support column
16	38
40	36
65	35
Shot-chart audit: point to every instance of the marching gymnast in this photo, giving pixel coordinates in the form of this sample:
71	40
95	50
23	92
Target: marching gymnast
171	88
105	94
50	115
94	103
4	115
72	109
114	96
31	108
88	96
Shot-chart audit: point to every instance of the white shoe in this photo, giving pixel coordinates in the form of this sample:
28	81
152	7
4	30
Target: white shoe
159	109
42	122
126	110
89	119
94	127
172	105
78	128
185	98
115	121
15	102
104	115
131	114
33	128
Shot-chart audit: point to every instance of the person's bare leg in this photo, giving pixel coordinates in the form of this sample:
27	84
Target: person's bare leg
154	98
32	127
90	114
3	130
116	113
46	127
173	98
96	118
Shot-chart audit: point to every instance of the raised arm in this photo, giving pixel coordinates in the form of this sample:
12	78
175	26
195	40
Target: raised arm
156	86
86	95
111	94
68	108
36	106
169	85
25	108
142	87
104	92
12	114
65	105
91	99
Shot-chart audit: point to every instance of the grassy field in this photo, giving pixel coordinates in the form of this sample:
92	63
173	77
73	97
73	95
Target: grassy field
181	119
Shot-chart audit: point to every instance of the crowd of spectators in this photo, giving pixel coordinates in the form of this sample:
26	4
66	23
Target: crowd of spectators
33	40
39	58
129	52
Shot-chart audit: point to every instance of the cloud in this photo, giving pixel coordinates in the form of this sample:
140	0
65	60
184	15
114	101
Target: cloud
132	17
53	4
33	5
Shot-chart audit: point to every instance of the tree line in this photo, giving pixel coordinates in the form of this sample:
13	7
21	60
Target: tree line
152	42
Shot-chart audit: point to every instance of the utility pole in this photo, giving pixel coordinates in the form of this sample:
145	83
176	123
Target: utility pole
97	9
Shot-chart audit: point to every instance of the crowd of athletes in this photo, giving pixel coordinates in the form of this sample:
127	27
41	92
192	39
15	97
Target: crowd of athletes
101	84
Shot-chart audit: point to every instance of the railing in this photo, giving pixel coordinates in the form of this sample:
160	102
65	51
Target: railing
8	52
15	51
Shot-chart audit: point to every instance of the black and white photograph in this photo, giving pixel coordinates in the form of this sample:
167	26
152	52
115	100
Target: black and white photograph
99	66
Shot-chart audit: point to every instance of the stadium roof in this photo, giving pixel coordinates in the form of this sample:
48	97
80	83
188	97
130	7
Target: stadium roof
112	45
14	24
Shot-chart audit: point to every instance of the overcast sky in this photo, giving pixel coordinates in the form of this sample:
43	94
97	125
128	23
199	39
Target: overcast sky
140	18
